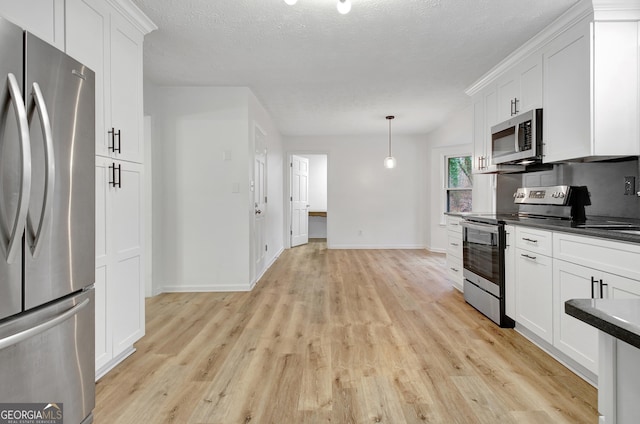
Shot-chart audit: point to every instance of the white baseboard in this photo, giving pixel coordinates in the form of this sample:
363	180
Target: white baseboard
207	289
114	362
375	246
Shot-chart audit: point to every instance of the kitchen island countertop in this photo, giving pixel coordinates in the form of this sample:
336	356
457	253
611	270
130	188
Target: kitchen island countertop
619	318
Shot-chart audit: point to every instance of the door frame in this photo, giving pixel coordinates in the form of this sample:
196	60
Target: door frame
256	274
287	191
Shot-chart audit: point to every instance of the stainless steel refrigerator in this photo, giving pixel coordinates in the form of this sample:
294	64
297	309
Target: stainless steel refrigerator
47	220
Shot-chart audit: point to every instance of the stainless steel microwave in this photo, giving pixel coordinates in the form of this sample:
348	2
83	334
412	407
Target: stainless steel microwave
518	140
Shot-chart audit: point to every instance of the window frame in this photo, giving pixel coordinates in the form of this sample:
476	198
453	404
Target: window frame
445	186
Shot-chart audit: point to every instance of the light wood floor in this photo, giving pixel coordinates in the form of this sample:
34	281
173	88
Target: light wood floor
338	336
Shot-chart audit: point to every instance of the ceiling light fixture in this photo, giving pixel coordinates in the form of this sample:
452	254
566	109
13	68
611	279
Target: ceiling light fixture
290	2
344	6
390	161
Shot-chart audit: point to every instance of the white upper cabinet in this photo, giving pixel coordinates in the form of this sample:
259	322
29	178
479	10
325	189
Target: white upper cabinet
520	89
591	96
111	45
583	70
43	18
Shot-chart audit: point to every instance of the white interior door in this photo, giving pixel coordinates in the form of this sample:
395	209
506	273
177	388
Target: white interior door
260	203
299	200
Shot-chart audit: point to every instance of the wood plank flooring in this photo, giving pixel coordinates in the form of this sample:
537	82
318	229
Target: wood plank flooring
338	336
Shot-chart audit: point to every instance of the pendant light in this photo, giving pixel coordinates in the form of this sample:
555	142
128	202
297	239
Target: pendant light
390	161
344	6
290	2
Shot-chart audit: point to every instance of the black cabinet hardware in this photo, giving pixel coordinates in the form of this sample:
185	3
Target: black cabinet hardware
113	181
113	133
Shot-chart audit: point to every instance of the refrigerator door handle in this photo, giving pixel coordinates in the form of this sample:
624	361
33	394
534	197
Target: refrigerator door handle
41	328
50	171
15	238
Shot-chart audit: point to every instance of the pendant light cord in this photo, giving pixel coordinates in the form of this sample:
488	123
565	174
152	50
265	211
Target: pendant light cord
389	118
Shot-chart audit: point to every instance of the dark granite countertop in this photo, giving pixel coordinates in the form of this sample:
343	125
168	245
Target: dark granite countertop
631	236
617	317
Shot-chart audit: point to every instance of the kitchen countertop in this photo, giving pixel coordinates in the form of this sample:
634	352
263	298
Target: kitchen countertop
631	236
618	317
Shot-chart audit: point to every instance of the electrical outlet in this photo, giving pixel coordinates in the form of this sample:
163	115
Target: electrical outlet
629	186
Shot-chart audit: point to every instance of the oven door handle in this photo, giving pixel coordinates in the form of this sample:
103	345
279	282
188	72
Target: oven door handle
480	227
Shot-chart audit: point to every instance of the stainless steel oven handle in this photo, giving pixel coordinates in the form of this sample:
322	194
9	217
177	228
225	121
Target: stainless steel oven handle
41	328
480	227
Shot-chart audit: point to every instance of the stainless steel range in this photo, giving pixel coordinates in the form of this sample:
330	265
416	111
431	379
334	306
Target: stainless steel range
484	242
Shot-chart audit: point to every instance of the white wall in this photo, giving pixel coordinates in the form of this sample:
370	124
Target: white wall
454	137
275	181
201	237
370	206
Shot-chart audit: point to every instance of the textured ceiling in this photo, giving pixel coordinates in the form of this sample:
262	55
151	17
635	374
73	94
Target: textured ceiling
321	73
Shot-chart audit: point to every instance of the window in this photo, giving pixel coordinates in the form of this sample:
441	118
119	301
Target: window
459	182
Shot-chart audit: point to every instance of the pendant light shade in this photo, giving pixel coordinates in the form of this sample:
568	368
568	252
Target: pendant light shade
390	161
290	2
344	6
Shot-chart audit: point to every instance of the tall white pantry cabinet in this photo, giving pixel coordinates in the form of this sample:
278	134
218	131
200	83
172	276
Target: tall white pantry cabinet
107	36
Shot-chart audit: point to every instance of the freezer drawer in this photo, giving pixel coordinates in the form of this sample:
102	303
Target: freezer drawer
48	356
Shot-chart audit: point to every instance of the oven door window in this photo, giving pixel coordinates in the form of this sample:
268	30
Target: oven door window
481	253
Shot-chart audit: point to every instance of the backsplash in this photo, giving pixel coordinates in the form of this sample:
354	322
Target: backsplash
605	181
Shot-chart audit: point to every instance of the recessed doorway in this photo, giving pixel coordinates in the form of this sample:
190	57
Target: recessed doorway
308	210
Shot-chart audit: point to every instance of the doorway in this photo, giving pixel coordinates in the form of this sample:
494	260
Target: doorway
259	188
308	212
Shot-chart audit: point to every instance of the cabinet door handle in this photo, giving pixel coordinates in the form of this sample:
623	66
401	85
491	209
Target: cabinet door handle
593	293
454	269
113	181
112	145
455	244
119	143
113	134
528	239
601	289
527	256
112	171
511	110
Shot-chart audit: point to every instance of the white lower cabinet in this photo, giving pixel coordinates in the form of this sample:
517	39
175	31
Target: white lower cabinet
545	268
584	268
119	261
573	337
534	297
454	251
